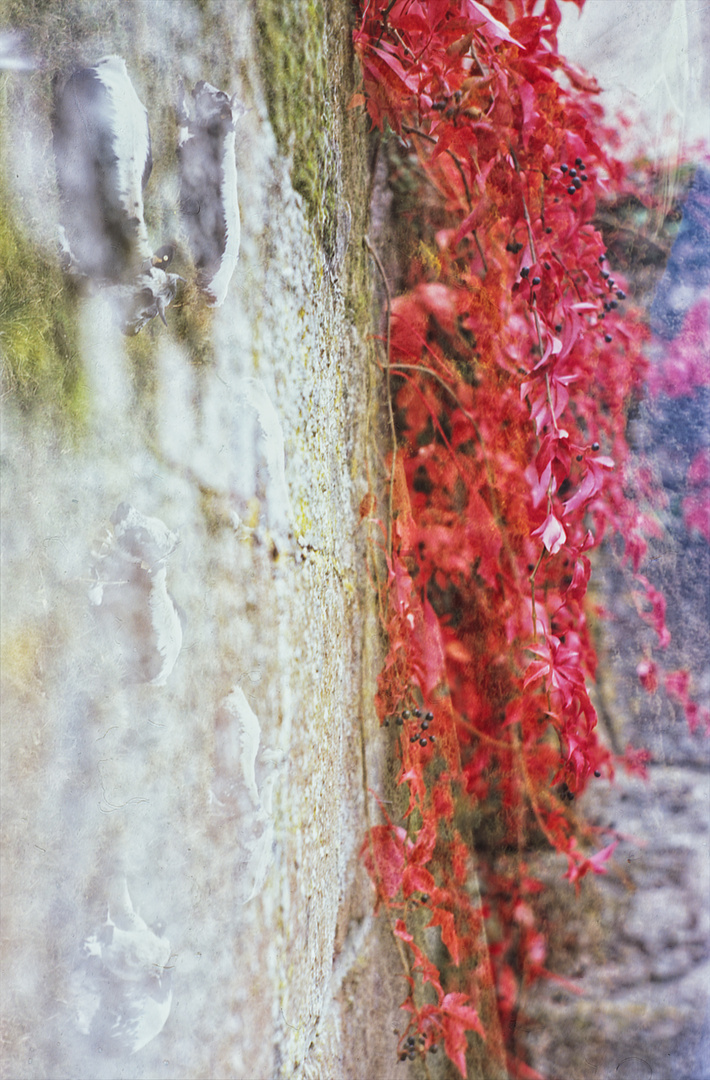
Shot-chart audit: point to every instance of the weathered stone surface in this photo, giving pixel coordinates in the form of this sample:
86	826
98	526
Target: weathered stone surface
247	432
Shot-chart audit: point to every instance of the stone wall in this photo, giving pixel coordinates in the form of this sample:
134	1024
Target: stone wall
207	802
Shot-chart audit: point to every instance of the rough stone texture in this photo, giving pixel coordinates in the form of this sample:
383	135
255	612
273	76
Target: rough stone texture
105	779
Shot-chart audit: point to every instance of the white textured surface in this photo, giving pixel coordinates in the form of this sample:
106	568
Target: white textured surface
105	778
650	57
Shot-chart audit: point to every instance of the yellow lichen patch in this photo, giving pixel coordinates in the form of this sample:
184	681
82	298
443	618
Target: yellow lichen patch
251	518
216	511
304	520
19	657
429	258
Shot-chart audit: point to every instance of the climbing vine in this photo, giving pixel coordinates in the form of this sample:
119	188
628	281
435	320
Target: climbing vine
511	358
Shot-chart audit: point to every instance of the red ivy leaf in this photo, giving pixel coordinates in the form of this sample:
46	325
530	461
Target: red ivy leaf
386	844
445	920
417	879
458	1017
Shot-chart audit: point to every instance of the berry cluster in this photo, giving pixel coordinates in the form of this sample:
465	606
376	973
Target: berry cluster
576	178
422	735
413	1046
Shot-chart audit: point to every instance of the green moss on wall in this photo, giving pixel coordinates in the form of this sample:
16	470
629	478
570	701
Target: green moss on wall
310	74
38	333
294	53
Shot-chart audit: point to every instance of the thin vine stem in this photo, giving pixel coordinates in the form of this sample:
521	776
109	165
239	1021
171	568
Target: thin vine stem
532	593
388	379
457	162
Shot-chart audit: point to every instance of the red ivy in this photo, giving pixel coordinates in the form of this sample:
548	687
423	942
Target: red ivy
513	359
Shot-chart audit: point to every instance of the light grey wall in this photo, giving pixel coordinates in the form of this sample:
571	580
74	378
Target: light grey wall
253	450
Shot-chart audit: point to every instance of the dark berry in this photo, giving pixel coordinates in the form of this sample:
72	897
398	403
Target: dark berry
425	898
513	246
405	714
608	338
422	742
417	712
604	273
584	177
613	304
431	738
536	281
432	1049
564	168
580	457
558	328
547	266
621	294
601	315
578	162
164	255
425	725
525	271
548	230
571	190
597	773
595	446
413	738
573	173
400	721
577	183
403	1057
386	723
429	716
410	1041
602	258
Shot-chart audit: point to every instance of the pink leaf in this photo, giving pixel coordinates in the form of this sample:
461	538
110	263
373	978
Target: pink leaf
552	534
647	672
497	29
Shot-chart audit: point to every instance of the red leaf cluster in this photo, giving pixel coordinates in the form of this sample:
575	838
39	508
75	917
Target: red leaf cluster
513	358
